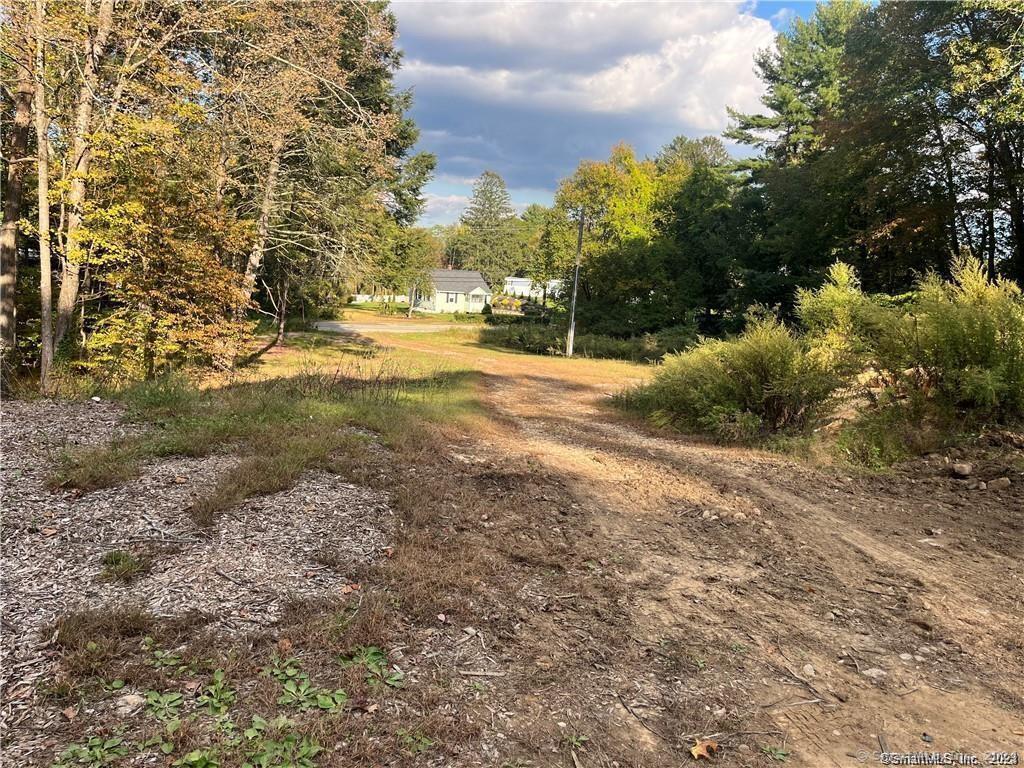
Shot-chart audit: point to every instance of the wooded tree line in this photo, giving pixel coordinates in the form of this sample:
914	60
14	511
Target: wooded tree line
892	139
191	161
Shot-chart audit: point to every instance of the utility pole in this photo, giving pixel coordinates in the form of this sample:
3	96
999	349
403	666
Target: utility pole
575	287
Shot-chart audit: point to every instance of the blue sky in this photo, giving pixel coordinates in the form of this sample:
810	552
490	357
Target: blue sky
528	89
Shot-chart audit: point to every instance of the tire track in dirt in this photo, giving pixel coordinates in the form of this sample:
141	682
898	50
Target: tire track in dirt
634	484
804	565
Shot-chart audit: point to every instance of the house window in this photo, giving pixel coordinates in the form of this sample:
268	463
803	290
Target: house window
475	298
452	297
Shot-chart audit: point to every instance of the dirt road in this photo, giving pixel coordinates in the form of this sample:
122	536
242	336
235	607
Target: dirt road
803	615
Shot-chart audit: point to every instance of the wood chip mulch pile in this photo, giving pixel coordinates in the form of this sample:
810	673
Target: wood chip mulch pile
240	573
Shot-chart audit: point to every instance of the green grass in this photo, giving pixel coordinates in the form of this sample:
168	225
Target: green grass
121	565
296	414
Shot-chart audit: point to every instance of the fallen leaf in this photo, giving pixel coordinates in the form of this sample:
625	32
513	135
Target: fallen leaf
50	531
181	480
704	748
442	618
347	589
70	713
284	646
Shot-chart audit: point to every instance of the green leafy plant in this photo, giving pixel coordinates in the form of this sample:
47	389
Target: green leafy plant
164	706
283	670
161	658
302	694
577	741
276	745
95	752
199	758
299	692
415	742
375	661
776	753
163	741
217	697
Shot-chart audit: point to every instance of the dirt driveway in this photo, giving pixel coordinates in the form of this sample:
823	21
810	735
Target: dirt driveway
794	614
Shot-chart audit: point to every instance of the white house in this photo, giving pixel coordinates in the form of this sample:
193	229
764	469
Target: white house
453	290
525	288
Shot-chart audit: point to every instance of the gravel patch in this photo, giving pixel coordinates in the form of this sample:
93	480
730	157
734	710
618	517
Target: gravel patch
258	557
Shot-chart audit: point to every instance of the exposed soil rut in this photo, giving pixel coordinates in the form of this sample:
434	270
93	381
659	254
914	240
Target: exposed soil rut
778	605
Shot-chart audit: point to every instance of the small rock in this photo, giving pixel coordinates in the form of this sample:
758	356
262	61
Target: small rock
129	703
918	658
706	514
999	484
982	485
906	657
739	516
720	712
874	673
808	670
962	469
837	732
743	748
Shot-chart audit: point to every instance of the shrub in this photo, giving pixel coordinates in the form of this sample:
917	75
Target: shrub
961	340
763	380
542	339
847	328
969	339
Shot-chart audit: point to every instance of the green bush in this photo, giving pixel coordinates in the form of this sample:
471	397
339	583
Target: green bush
969	339
542	339
960	340
763	380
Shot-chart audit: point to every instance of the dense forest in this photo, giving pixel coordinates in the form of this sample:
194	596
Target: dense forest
173	170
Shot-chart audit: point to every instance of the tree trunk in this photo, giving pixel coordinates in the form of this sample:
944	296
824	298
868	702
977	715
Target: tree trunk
282	310
17	152
79	165
951	196
989	227
43	171
252	266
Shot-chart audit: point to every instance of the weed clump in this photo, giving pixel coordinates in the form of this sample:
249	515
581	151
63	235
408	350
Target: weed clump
123	566
763	380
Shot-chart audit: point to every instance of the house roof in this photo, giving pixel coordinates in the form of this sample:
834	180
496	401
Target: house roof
458	280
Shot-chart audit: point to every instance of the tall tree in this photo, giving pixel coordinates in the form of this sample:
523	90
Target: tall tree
94	48
488	240
43	198
15	167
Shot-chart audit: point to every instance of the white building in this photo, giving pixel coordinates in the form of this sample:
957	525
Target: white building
453	290
525	288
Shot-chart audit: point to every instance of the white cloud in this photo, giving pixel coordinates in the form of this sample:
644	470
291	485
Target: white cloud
443	207
676	62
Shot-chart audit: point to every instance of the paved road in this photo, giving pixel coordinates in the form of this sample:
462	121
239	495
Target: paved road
386	326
